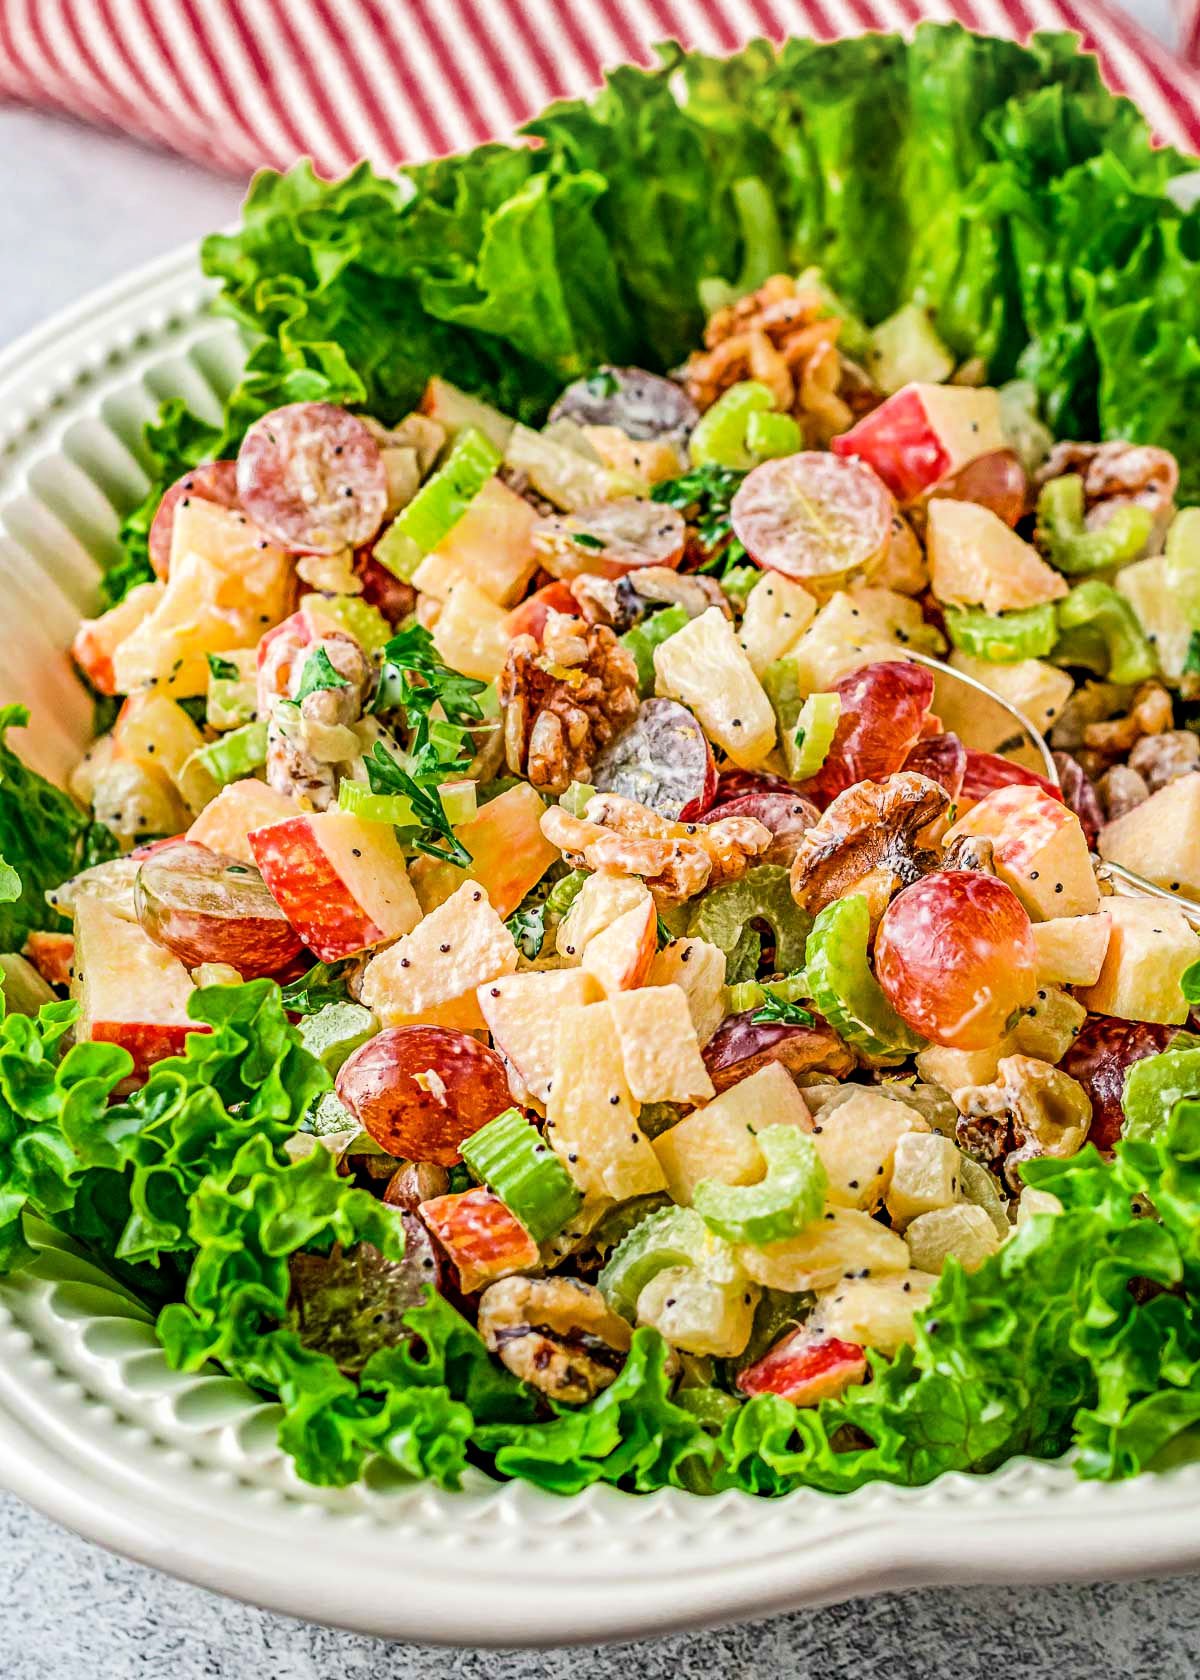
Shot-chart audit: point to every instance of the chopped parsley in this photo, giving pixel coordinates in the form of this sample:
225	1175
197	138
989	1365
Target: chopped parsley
528	928
585	539
703	497
323	983
602	383
222	670
776	1011
319	673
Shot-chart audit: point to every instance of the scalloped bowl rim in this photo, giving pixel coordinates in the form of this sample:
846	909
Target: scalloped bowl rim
181	1471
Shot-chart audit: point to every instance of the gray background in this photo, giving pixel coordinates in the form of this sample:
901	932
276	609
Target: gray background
76	209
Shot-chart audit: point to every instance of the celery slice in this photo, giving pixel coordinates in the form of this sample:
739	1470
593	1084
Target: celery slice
752	994
510	1156
1064	538
724	915
1182	562
235	755
575	799
719	437
358	618
336	1031
394	808
676	1236
645	637
460	801
440	503
845	990
1004	637
1097	605
770	435
807	743
790	1197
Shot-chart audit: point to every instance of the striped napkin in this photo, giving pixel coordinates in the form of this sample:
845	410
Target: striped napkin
236	84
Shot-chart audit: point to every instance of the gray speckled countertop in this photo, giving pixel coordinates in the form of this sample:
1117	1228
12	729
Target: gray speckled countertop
77	209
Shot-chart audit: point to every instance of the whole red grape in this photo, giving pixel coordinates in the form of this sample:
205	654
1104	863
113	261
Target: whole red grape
956	959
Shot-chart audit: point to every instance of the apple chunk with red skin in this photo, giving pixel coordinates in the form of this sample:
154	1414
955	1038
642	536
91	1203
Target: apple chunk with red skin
481	1236
924	434
1039	849
806	1368
130	991
341	882
509	853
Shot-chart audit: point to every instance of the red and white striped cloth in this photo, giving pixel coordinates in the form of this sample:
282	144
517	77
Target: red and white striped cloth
237	84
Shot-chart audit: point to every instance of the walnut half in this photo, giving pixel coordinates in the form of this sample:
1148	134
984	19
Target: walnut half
875	829
1030	1109
564	700
617	836
555	1333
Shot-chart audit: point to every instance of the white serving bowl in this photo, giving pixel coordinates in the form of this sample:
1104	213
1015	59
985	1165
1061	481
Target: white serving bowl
183	1472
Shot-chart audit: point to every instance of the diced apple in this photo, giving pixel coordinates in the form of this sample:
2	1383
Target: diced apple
718	1140
637	462
952	1069
698	1314
97	639
1049	1026
875	1312
227	823
152	726
805	1369
697	967
53	955
472	634
456	411
484	1240
341	882
924	434
964	1233
491	546
619	957
925	1175
524	1015
1039	850
131	991
598	904
227	583
843	1240
705	666
859	627
432	974
658	1045
591	1115
1160	838
509	853
1145	586
1150	945
857	1142
1038	691
976	560
778	612
133	797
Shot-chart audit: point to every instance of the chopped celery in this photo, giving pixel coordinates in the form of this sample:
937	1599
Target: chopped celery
460	801
1004	637
719	438
845	990
1084	646
790	1197
724	915
398	552
442	500
809	740
564	893
232	695
393	808
769	435
358	618
336	1031
753	994
905	349
739	581
1182	563
510	1156
1098	606
575	799
676	1236
235	755
645	637
1064	538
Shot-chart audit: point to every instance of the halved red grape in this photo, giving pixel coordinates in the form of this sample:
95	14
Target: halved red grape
609	539
209	908
529	619
215	481
1079	792
956	958
740	1046
942	758
813	517
1100	1059
986	772
785	814
420	1091
997	481
351	1303
883	709
312	477
737	784
382	589
643	405
663	760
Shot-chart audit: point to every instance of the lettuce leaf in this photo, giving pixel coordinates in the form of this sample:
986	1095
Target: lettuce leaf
44	838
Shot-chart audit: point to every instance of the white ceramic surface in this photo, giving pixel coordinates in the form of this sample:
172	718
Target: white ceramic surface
182	1471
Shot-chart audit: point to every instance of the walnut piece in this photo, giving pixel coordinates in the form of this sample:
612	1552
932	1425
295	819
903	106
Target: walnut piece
555	1333
565	700
308	740
783	336
1150	713
1030	1109
873	830
617	836
1159	759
